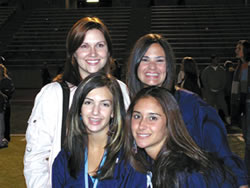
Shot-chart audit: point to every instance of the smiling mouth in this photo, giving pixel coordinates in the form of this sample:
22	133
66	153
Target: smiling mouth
94	121
152	74
141	135
92	62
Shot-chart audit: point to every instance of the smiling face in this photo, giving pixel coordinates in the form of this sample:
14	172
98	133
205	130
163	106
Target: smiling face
97	109
152	68
93	53
148	125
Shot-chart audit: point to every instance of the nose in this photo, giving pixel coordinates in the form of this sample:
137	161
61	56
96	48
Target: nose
142	124
95	110
92	51
152	65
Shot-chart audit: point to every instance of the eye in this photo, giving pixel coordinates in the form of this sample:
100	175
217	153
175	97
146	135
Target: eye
100	45
153	118
84	46
160	61
86	102
136	116
145	60
106	104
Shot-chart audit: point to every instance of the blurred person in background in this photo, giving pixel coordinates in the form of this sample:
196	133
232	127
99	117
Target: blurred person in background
188	77
7	88
240	99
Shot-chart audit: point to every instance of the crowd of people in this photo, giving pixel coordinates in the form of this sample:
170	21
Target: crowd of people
89	129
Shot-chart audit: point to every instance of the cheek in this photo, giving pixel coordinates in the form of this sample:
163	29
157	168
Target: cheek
140	70
104	53
80	54
109	114
133	126
162	68
160	129
85	110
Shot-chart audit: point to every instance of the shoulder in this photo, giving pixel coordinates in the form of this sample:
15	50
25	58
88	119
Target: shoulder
51	86
61	159
221	68
187	98
50	90
48	98
127	176
206	69
6	82
125	93
196	112
122	84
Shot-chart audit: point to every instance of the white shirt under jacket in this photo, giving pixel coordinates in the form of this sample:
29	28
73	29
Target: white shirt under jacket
43	134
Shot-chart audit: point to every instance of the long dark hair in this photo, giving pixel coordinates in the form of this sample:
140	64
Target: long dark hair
246	50
179	155
77	136
74	40
191	78
190	66
139	50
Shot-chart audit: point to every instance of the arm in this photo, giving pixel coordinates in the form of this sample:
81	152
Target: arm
40	135
208	131
214	139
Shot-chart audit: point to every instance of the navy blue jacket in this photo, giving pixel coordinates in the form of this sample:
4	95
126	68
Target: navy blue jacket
124	176
208	131
197	180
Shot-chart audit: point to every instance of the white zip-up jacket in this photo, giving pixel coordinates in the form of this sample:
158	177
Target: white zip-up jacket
43	134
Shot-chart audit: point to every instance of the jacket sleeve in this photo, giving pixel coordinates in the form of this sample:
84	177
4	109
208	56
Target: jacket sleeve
40	134
213	138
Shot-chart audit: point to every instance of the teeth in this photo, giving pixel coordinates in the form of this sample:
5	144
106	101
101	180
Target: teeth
94	119
151	74
92	61
143	135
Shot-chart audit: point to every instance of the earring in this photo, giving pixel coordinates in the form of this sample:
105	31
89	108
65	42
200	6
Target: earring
80	117
134	148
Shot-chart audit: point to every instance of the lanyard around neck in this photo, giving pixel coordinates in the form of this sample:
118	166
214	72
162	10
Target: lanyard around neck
86	169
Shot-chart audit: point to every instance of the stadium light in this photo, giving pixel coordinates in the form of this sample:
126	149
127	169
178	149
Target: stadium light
92	1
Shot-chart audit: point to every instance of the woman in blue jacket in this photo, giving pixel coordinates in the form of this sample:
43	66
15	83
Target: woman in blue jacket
92	155
152	63
157	140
